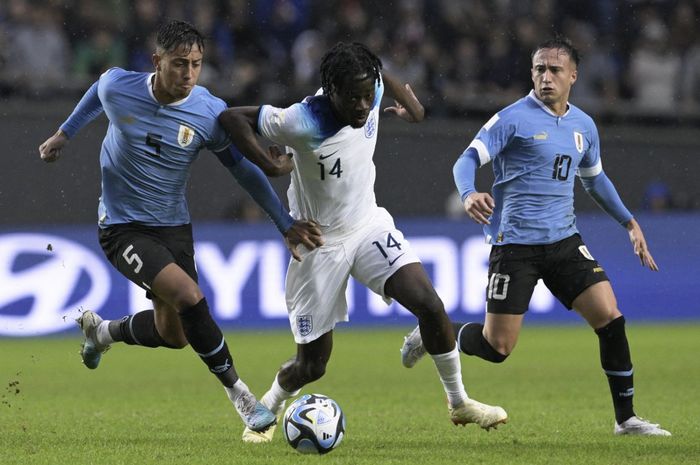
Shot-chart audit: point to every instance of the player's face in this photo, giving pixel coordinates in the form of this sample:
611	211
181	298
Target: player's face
553	74
177	71
353	100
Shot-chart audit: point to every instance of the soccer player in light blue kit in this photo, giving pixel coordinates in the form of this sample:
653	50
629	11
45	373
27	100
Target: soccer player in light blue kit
158	123
538	145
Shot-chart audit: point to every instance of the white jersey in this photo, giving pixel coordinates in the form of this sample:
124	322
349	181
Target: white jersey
333	178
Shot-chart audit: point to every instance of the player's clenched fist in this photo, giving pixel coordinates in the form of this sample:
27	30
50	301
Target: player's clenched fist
50	150
479	206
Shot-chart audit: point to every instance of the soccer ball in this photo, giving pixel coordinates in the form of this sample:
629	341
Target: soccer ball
314	424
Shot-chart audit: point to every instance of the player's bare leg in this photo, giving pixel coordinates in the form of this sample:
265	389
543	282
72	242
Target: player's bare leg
308	365
411	287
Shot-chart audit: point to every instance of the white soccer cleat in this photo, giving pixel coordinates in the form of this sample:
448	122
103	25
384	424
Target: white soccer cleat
91	351
472	411
259	437
412	349
639	427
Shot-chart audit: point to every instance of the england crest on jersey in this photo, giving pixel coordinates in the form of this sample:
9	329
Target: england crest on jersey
185	136
578	138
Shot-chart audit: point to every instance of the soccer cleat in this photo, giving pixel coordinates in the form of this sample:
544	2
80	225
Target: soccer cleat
412	349
639	427
472	411
91	351
264	436
255	415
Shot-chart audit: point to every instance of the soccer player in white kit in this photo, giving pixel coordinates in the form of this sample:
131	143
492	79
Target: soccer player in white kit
332	137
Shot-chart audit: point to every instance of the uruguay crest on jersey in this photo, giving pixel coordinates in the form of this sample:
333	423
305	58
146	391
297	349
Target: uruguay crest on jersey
578	138
185	136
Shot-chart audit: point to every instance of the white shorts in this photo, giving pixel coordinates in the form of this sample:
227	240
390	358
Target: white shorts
315	287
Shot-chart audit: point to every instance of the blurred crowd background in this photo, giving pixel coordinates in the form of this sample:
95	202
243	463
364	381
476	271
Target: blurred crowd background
639	78
640	58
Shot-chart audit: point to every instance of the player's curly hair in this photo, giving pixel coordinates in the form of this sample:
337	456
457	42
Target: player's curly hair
559	42
345	61
175	33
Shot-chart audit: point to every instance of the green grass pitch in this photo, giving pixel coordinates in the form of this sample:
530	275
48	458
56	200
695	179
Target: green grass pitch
145	406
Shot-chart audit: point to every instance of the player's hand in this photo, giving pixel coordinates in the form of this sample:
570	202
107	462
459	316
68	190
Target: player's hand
479	206
639	245
50	150
401	111
306	233
282	162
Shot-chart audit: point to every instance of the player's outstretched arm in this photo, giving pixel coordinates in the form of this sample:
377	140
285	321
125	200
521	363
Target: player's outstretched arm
406	104
306	233
240	123
87	109
640	245
50	150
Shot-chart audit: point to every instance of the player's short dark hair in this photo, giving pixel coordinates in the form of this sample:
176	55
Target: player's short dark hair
345	61
175	33
559	42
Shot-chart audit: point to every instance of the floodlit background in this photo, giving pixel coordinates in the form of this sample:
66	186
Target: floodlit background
639	77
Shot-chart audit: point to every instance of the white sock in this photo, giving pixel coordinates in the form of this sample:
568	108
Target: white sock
275	398
239	388
102	333
450	370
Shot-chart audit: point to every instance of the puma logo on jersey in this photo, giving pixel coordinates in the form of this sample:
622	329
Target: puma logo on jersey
541	136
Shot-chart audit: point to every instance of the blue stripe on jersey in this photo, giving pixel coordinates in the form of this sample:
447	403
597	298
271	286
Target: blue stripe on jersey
149	147
535	156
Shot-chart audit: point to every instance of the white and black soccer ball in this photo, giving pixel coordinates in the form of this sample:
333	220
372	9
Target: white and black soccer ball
314	424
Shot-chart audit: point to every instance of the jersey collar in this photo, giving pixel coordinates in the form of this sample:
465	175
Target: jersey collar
149	85
545	108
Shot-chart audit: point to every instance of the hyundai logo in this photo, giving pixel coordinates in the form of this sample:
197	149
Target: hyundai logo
44	280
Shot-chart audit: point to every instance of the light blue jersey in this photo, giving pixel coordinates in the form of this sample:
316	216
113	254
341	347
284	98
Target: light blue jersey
536	155
149	147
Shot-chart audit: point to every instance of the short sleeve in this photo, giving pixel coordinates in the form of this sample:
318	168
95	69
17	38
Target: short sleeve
290	126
